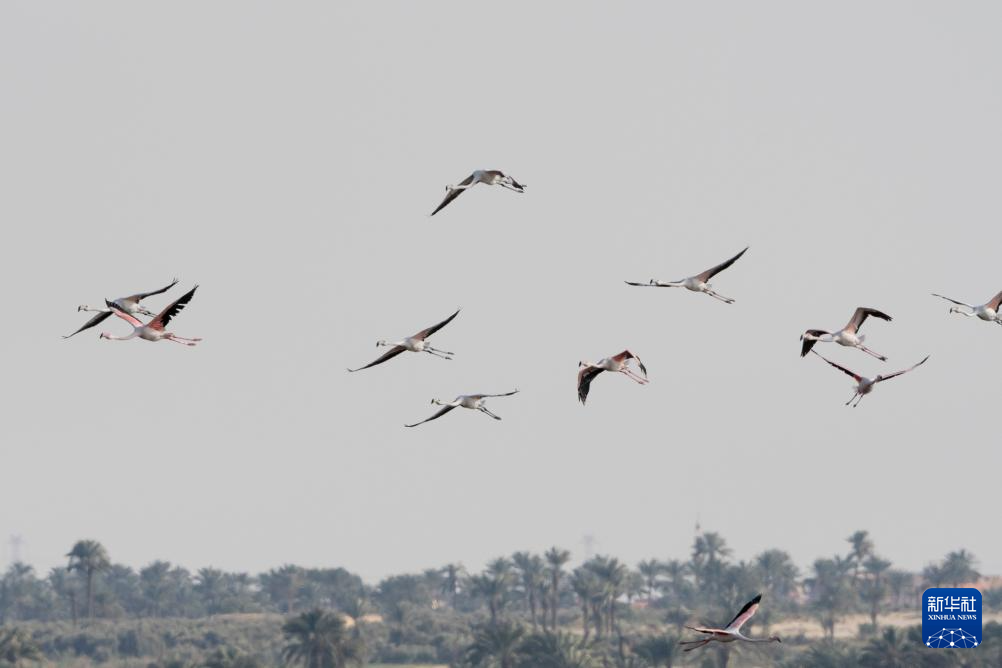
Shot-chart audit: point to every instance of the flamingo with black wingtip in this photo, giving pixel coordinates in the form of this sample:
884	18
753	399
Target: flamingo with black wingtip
731	632
490	177
154	330
472	401
865	385
617	363
697	283
416	344
128	305
847	336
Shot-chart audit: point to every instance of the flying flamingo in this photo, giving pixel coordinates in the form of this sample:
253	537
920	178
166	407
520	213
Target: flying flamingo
731	632
697	283
618	363
989	311
472	401
128	305
865	385
847	336
416	344
491	177
154	329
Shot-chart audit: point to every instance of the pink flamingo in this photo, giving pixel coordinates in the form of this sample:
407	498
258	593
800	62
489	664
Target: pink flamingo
491	177
128	304
731	632
154	329
618	363
865	385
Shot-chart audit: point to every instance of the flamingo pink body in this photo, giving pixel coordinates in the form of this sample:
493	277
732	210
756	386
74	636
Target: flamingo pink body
154	330
729	633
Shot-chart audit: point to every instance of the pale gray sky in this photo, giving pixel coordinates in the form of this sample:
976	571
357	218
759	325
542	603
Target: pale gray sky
285	156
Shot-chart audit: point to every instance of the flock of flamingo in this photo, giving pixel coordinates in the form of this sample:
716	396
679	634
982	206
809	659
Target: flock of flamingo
129	309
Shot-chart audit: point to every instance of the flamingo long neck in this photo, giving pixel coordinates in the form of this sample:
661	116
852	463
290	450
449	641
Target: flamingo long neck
133	335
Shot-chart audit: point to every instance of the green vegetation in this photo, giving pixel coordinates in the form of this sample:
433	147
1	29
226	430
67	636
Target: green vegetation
526	611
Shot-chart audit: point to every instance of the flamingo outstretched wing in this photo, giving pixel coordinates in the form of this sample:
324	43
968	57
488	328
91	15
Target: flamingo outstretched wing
958	303
453	194
585	376
139	296
808	343
428	331
163	319
713	271
746	613
841	368
390	354
903	371
445	409
859	317
96	320
485	396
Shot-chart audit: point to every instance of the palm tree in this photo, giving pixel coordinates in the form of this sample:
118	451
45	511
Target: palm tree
661	651
873	590
318	639
499	571
17	589
612	573
588	589
88	557
861	548
651	570
484	586
283	585
958	568
209	583
63	586
530	568
899	582
496	645
677	586
709	553
17	646
778	574
710	547
556	559
156	586
557	650
829	591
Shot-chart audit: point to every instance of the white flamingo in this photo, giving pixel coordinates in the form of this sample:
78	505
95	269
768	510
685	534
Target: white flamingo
988	311
847	336
472	401
865	385
491	177
619	363
731	632
154	329
128	305
697	283
416	344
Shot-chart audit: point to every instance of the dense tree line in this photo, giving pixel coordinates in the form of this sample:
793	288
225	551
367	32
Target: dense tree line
522	610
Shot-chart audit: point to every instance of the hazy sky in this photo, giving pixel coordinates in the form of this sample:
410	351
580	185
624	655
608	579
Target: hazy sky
285	156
